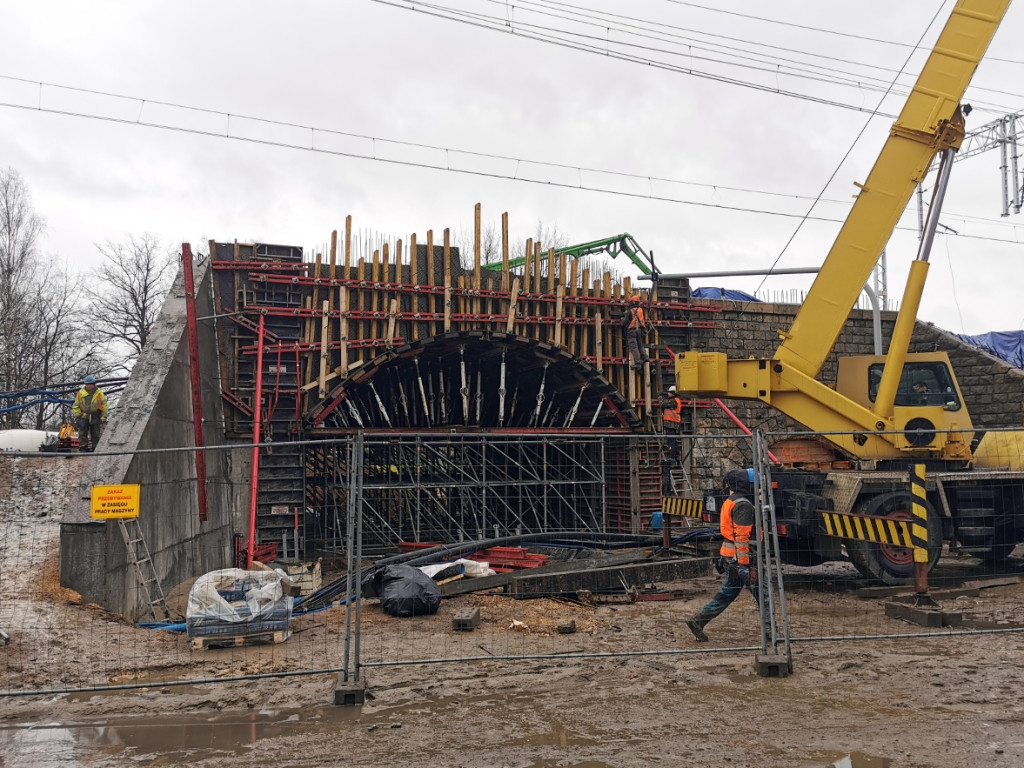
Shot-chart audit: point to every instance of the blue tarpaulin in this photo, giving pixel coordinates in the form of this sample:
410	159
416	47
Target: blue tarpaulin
729	294
1006	345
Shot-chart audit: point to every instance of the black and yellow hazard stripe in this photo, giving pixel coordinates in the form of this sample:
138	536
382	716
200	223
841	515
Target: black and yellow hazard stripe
919	519
672	505
881	530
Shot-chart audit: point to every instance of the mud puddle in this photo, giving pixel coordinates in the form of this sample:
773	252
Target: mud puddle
183	738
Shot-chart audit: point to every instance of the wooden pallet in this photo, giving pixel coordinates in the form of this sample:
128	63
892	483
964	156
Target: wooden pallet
232	641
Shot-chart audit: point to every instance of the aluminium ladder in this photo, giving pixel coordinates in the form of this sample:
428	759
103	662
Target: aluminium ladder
138	556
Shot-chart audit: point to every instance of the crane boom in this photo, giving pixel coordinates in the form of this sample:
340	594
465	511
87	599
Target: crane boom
928	123
867	416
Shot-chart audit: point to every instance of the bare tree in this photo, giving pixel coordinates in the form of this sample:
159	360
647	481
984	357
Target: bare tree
129	289
20	228
66	347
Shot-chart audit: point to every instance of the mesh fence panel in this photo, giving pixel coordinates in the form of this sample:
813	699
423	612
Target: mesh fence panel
575	529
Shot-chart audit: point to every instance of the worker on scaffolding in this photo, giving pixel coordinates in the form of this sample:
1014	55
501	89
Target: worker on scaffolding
90	412
672	421
636	325
736	523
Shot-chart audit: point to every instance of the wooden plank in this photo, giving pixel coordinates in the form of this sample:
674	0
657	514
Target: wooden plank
358	328
535	307
477	246
397	279
343	300
414	266
447	252
231	641
598	342
506	280
343	329
588	339
551	271
528	256
559	295
322	389
374	326
330	291
311	324
392	319
431	280
510	325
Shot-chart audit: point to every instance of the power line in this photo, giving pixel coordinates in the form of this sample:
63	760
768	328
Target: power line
622	50
837	33
449	153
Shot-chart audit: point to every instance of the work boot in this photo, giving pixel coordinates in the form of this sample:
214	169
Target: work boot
697	627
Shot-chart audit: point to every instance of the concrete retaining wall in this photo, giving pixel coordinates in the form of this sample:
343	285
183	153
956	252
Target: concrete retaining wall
155	414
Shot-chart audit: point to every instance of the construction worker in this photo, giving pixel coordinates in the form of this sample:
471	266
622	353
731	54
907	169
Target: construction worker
672	420
90	412
736	523
636	324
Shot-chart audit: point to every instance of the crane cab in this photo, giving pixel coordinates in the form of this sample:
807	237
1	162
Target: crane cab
929	409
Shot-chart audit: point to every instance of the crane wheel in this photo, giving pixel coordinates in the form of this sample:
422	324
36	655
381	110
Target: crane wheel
884	563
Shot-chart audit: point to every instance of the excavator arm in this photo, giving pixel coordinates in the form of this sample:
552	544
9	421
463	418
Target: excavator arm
930	123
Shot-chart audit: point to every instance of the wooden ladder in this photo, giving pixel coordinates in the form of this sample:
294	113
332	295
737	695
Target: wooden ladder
138	556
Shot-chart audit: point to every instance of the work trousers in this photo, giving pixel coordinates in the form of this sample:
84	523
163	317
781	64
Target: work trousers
89	432
637	348
730	590
673	440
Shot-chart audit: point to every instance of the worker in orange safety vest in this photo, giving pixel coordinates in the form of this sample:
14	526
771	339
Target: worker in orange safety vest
635	323
672	421
736	522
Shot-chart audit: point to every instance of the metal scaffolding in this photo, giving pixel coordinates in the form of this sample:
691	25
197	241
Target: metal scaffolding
445	488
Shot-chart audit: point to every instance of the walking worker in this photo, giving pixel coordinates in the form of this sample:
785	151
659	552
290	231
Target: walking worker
635	322
90	412
736	523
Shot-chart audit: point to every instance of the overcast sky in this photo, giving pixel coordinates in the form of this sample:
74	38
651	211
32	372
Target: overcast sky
708	147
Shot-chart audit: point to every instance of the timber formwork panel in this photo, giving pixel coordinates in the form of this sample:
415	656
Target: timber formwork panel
417	337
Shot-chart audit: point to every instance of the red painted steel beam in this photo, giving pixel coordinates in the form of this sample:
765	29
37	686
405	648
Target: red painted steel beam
439	290
257	415
262	266
743	427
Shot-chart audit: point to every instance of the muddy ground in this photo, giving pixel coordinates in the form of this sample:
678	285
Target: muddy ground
934	701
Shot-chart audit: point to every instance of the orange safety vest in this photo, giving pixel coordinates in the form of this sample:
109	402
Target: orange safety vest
637	319
737	526
675	413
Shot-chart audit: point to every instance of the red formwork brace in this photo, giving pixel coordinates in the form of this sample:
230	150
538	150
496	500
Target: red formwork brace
197	393
257	415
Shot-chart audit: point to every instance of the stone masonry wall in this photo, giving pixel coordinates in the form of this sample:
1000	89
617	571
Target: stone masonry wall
993	389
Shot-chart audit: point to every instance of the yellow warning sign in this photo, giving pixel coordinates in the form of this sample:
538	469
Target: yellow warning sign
114	501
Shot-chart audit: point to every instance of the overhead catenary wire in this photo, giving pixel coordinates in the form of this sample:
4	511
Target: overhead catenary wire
234	122
599	45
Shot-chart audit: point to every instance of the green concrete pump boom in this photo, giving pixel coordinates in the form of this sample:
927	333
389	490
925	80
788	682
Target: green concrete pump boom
613	246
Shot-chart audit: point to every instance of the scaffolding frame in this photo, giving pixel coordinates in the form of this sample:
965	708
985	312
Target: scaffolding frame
442	488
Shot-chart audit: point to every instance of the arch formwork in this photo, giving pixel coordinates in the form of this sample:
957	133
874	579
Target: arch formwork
419	346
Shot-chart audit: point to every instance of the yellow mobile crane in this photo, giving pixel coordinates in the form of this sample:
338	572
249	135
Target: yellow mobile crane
874	414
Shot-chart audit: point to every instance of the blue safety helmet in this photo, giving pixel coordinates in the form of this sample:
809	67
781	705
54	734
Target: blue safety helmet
90	379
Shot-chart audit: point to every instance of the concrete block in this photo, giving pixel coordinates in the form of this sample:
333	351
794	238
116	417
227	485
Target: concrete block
466	620
349	693
771	665
923	617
